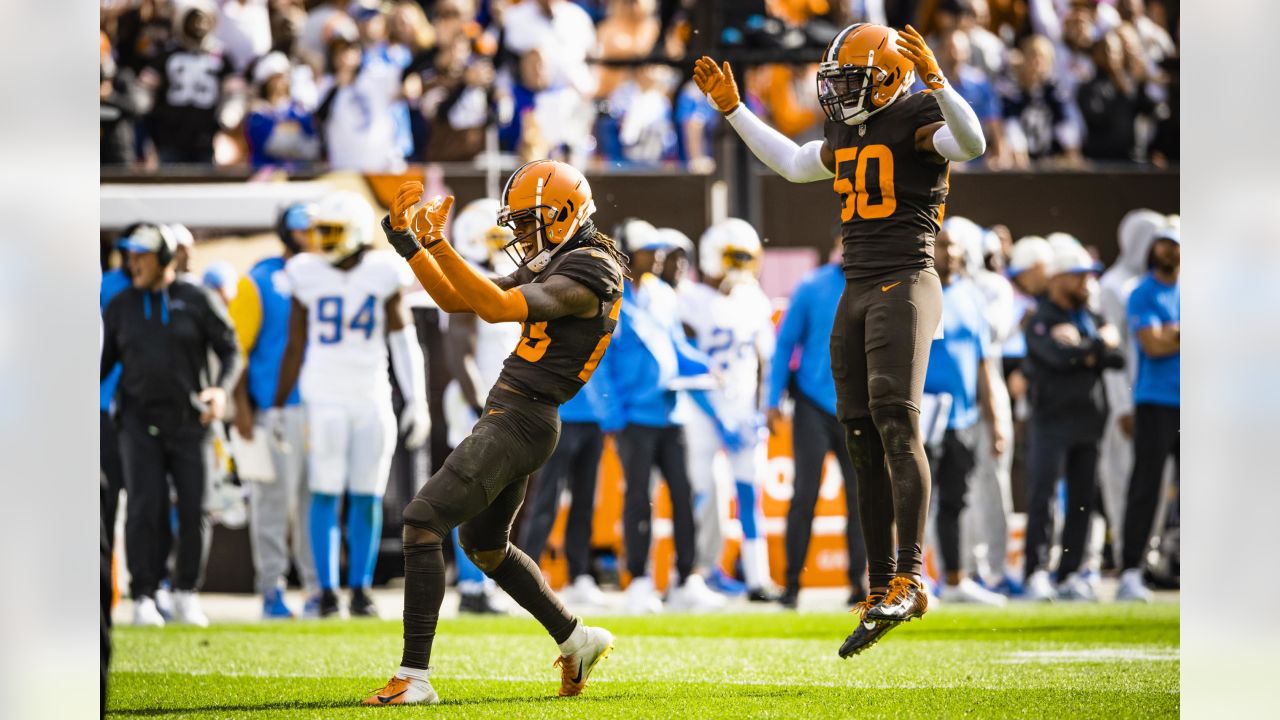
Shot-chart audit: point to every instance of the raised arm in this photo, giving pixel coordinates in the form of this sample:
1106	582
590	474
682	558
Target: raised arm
808	163
959	137
396	227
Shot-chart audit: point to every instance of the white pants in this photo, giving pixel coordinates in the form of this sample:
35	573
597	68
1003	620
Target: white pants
350	447
712	474
274	505
984	527
1115	463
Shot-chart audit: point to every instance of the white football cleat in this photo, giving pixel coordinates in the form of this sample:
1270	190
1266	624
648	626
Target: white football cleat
969	591
1076	589
145	613
1132	588
404	691
164	602
642	598
1039	588
695	596
584	591
186	609
576	667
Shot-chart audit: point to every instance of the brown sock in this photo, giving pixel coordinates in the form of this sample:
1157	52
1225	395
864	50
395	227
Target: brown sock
423	592
520	578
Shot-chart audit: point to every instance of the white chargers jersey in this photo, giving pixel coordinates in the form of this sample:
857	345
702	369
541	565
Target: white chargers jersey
346	360
736	331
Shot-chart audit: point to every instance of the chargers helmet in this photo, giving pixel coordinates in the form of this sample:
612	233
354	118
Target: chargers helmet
342	225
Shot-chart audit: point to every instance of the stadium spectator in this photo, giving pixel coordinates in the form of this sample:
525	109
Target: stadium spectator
325	21
1155	320
642	110
190	81
806	332
1111	104
457	99
261	313
286	27
163	331
1037	119
628	32
356	112
118	114
280	131
960	367
696	122
244	29
1068	347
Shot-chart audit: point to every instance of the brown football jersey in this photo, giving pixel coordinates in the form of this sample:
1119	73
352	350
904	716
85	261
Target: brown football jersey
555	358
891	194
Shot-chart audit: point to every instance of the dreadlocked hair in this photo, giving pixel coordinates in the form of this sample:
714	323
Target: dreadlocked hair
590	235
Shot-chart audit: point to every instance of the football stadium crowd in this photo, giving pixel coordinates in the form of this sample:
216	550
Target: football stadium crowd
370	85
1052	390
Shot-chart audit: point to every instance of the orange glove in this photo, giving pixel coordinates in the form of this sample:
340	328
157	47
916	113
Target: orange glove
718	84
911	44
408	195
428	224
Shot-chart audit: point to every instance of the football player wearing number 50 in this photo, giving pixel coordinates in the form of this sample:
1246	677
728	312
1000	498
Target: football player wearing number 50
345	315
566	291
888	151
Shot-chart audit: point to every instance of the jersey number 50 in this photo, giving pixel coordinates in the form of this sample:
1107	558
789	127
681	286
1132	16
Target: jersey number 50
857	201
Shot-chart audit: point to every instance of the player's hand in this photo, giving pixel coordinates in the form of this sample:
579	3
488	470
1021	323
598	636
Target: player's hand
408	195
214	400
1110	336
773	418
911	44
998	441
415	424
717	83
429	223
1125	422
1065	334
273	419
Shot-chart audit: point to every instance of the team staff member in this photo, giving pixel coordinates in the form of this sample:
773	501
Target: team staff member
1155	320
815	431
113	281
961	366
892	301
261	312
1068	347
162	331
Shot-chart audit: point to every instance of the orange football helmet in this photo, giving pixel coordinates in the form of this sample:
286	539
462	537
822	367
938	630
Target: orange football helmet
544	203
862	72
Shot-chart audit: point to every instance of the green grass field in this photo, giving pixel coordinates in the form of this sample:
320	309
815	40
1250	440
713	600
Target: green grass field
1061	661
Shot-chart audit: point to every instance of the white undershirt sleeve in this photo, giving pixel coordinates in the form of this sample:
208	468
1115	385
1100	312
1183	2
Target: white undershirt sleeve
961	138
796	163
407	361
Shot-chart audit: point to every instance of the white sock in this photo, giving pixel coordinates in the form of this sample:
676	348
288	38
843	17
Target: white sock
751	550
576	640
409	673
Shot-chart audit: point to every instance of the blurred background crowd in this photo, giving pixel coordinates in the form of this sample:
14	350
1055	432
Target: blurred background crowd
372	86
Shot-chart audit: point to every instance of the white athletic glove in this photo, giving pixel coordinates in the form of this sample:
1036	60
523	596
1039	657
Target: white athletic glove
415	424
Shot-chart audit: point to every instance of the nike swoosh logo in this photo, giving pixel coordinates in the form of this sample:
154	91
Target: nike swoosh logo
385	700
887	288
495	412
578	679
866	625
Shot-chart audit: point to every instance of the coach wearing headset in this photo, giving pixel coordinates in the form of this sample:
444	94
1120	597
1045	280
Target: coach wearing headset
162	331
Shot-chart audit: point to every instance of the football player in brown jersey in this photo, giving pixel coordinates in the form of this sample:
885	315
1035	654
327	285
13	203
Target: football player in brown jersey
888	151
566	292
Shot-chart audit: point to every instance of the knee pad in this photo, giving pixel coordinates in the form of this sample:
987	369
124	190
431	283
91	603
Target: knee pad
898	429
884	388
420	514
862	439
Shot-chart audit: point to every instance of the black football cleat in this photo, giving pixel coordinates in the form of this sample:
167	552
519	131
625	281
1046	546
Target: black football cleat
906	600
478	604
867	633
790	598
763	595
362	605
329	606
